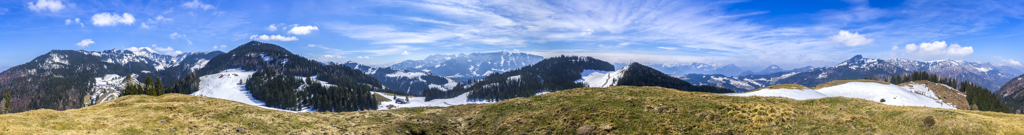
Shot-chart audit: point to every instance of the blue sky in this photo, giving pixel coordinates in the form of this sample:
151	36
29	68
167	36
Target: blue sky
753	34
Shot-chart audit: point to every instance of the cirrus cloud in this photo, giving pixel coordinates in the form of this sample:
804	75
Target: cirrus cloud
1009	62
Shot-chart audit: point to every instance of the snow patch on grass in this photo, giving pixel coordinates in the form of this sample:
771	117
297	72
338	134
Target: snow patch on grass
421	101
893	95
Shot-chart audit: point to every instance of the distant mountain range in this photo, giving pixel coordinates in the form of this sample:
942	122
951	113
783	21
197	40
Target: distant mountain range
405	81
985	74
464	67
62	79
700	68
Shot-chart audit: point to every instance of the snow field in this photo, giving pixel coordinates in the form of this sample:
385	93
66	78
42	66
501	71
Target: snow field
893	95
421	101
225	85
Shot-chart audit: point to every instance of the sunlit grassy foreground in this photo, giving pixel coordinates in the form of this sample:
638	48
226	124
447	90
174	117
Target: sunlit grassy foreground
616	110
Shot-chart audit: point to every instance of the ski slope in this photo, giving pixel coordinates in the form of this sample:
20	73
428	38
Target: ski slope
230	85
893	95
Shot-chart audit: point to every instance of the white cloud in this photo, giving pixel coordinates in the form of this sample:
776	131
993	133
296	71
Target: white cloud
895	48
175	35
144	26
108	19
955	49
668	48
1010	62
301	30
3	11
139	49
330	57
85	43
272	27
74	21
939	48
221	47
162	18
272	38
623	44
197	4
851	39
364	57
167	50
911	47
405	53
46	5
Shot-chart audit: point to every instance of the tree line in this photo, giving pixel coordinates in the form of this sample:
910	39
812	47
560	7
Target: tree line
288	92
148	88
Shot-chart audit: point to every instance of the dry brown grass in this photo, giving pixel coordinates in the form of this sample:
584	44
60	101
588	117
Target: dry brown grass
615	110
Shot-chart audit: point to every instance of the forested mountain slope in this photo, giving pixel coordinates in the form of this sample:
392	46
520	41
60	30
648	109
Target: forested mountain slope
62	79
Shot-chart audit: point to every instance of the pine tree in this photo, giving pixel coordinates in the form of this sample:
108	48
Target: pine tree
159	88
148	89
7	102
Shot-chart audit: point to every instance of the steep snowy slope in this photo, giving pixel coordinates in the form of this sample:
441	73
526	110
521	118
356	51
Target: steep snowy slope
891	94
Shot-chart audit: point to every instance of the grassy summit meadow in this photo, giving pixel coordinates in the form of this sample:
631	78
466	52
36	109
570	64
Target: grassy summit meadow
614	110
